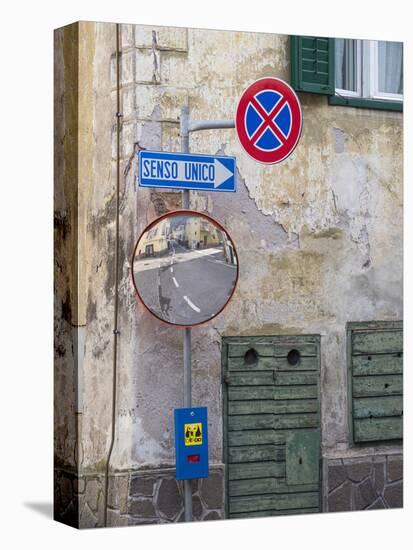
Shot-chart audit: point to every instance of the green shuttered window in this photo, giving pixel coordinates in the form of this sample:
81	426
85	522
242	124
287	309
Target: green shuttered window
375	352
312	64
368	70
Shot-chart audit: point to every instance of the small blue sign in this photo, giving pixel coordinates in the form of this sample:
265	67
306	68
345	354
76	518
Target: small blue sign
191	442
186	171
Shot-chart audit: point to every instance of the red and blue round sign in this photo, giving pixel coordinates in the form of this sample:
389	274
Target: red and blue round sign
269	120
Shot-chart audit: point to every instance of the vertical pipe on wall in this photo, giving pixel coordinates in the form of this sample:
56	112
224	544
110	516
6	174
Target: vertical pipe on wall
116	265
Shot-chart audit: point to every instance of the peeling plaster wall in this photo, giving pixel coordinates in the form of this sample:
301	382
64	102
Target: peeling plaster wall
319	236
66	42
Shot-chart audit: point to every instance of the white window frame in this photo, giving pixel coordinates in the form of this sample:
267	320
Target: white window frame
357	92
367	75
373	77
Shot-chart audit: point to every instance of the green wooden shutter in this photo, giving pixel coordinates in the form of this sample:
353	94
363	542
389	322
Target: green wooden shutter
376	380
312	64
272	425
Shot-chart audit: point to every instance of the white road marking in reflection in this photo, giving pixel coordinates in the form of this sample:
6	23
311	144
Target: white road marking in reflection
172	269
207	251
222	263
193	306
175	282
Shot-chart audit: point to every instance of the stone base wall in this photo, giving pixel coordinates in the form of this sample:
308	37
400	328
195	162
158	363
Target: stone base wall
135	498
155	496
366	483
79	501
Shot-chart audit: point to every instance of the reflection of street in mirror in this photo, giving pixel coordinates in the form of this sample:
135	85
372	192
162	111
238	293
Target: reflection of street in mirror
185	269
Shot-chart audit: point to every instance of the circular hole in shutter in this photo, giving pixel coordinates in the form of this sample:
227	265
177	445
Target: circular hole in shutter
293	357
251	357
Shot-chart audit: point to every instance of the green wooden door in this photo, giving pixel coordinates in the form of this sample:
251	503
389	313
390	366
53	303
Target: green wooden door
375	354
272	425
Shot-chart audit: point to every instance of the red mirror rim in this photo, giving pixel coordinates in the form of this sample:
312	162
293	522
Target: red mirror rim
177	213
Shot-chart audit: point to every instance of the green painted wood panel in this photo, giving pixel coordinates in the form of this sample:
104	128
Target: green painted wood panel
253	378
296	392
376	380
320	65
304	364
269	349
373	365
268	513
239	349
303	457
376	386
276	422
378	429
295	378
254	437
251	470
265	404
378	341
250	392
259	486
377	407
312	64
273	407
256	453
266	485
305	349
272	363
272	392
277	502
269	378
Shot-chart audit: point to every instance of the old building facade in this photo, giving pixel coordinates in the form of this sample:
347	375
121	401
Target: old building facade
319	242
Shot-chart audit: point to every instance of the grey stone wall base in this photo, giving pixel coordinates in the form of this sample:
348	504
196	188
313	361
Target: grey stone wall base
79	500
135	498
366	483
155	496
65	503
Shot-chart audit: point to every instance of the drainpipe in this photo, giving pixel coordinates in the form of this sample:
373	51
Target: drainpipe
115	324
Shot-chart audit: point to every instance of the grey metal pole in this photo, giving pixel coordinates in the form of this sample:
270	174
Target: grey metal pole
187	403
219	124
187	369
184	126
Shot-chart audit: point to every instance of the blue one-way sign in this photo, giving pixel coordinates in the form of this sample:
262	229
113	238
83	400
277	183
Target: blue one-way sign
186	171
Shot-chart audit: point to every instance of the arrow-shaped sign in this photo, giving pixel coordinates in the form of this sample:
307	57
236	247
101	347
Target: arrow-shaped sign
186	171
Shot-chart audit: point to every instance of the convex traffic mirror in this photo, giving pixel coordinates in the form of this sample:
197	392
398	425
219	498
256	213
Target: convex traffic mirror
185	268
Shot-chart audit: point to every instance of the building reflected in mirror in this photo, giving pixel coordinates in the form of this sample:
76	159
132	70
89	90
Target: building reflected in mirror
185	268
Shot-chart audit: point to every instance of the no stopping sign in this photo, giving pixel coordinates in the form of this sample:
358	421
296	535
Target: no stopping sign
269	120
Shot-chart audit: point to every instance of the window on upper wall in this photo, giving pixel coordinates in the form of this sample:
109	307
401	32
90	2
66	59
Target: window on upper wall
358	73
369	69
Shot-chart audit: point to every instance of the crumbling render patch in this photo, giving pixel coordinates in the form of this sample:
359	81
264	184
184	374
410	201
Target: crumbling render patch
262	230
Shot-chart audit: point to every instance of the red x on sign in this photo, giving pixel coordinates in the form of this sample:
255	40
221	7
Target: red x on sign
269	120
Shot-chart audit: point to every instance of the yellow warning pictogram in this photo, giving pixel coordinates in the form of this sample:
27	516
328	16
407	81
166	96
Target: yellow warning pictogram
193	434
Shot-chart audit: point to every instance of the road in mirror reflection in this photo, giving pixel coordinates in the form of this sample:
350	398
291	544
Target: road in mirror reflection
185	269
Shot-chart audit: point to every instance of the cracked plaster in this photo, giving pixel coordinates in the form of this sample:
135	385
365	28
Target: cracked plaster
319	236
